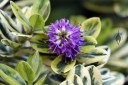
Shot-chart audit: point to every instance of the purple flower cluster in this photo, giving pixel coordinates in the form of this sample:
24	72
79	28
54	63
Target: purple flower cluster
64	38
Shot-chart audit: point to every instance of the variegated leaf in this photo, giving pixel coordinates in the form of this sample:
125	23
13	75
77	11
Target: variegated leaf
59	65
66	82
118	79
5	32
95	75
10	43
106	57
89	44
39	42
48	58
11	76
93	56
76	80
9	22
26	71
91	27
81	72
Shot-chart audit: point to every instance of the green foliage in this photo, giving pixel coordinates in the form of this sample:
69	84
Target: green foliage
26	73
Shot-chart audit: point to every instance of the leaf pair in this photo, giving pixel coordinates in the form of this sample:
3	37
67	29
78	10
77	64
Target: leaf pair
80	75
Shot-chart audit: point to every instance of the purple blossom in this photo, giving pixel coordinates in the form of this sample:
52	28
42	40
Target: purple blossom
64	38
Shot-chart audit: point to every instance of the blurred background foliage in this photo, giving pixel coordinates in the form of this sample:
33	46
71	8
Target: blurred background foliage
114	16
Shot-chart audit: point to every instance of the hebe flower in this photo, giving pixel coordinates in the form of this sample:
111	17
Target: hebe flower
64	38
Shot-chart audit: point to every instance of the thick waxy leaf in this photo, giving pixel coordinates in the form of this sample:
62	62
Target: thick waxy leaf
25	71
82	73
91	27
39	42
95	75
20	16
41	81
89	44
10	43
11	76
42	7
66	82
59	65
93	56
36	21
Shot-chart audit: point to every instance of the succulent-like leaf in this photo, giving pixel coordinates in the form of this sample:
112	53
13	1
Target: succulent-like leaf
25	71
91	27
11	76
93	56
59	65
66	82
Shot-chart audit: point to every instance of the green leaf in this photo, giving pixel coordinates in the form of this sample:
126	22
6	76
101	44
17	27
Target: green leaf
47	59
41	81
81	72
34	61
20	16
77	20
91	27
58	65
66	82
93	56
42	7
25	71
10	43
36	21
10	75
95	75
39	42
105	31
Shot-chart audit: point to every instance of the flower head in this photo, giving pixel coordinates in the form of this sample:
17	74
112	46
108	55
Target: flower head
64	38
